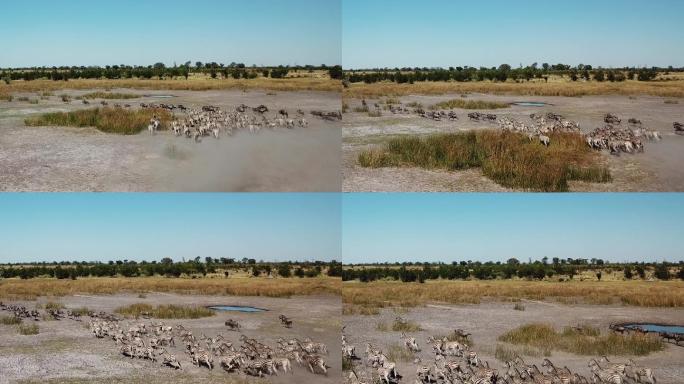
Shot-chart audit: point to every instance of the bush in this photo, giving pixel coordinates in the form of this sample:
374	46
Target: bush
165	311
509	158
10	320
29	329
662	272
582	341
108	120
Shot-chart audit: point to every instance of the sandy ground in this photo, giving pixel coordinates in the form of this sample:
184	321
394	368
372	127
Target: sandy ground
66	352
488	321
658	169
84	159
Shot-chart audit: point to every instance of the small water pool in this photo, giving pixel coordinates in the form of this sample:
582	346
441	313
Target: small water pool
677	329
236	308
530	104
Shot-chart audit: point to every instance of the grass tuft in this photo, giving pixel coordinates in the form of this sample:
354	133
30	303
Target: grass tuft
405	326
505	352
10	320
519	307
397	352
584	341
469	104
110	95
165	311
28	329
508	158
108	120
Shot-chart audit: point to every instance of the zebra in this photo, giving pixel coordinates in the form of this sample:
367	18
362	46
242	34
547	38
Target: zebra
424	374
545	140
410	343
313	362
200	358
285	321
639	374
604	375
169	360
284	363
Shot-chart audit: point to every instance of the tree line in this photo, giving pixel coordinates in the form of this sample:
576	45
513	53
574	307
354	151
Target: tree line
168	268
533	270
160	71
505	72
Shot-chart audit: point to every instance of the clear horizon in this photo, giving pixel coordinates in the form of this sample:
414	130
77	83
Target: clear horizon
444	33
435	227
85	33
36	227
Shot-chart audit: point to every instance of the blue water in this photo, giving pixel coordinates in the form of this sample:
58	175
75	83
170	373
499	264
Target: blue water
236	308
530	104
658	328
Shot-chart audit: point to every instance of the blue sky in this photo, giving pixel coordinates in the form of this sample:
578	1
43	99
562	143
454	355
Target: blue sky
137	226
94	32
445	33
382	227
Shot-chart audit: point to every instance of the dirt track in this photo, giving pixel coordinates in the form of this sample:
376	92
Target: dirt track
658	169
66	352
84	159
488	321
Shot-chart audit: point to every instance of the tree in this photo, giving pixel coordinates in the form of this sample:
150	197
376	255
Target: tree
628	273
166	260
284	270
600	76
640	271
512	261
336	72
662	272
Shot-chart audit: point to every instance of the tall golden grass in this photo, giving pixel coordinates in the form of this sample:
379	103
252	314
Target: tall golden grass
380	294
469	104
586	341
31	289
673	88
169	311
200	84
108	120
508	158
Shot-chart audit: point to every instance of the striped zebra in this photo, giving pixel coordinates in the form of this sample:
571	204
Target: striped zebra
169	360
201	358
604	375
314	362
641	375
617	367
282	363
424	374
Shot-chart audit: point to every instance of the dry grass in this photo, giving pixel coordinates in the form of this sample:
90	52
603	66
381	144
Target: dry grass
507	352
164	311
28	329
587	341
193	84
348	309
109	95
381	294
469	104
559	88
10	320
108	120
397	352
31	289
508	158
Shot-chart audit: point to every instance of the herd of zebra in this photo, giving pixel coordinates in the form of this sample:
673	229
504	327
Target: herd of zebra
23	313
153	342
668	337
455	362
212	121
252	357
612	136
